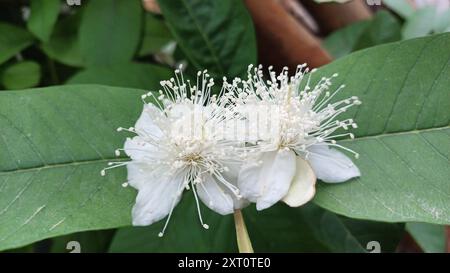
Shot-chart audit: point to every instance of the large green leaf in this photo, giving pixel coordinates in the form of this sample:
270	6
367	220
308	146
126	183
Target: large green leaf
110	31
135	75
214	35
43	17
13	39
403	134
54	142
431	238
279	229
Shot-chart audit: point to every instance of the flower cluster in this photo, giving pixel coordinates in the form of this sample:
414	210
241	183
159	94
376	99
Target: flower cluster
298	146
258	140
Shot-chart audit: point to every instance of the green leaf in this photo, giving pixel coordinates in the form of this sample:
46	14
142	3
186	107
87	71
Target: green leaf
43	17
431	238
90	241
312	229
63	44
384	28
214	35
21	75
135	75
156	35
342	41
388	235
25	249
278	229
110	31
54	142
13	39
184	233
403	132
305	229
421	23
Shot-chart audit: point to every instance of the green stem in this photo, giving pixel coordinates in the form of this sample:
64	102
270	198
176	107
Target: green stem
243	240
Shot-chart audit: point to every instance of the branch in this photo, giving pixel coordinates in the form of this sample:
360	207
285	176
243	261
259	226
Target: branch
332	16
282	41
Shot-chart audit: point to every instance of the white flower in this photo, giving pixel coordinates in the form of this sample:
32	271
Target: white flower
180	144
298	146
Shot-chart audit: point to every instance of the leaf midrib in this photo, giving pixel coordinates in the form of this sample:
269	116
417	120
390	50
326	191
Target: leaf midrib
204	36
105	160
62	165
415	131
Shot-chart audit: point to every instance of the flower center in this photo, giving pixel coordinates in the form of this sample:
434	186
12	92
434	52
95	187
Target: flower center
192	159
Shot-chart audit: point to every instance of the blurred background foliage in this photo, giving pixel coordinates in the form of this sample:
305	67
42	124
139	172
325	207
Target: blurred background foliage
133	43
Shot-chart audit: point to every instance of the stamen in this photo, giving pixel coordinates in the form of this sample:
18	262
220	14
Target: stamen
178	193
198	208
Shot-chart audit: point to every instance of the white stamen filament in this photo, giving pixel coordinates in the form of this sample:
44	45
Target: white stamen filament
307	117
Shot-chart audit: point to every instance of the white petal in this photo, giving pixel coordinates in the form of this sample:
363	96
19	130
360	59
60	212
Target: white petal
330	165
138	149
303	185
155	200
231	176
267	182
215	196
179	110
188	118
248	180
138	174
146	121
277	173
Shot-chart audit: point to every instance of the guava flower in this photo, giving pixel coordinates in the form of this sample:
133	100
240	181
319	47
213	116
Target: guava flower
181	143
299	144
